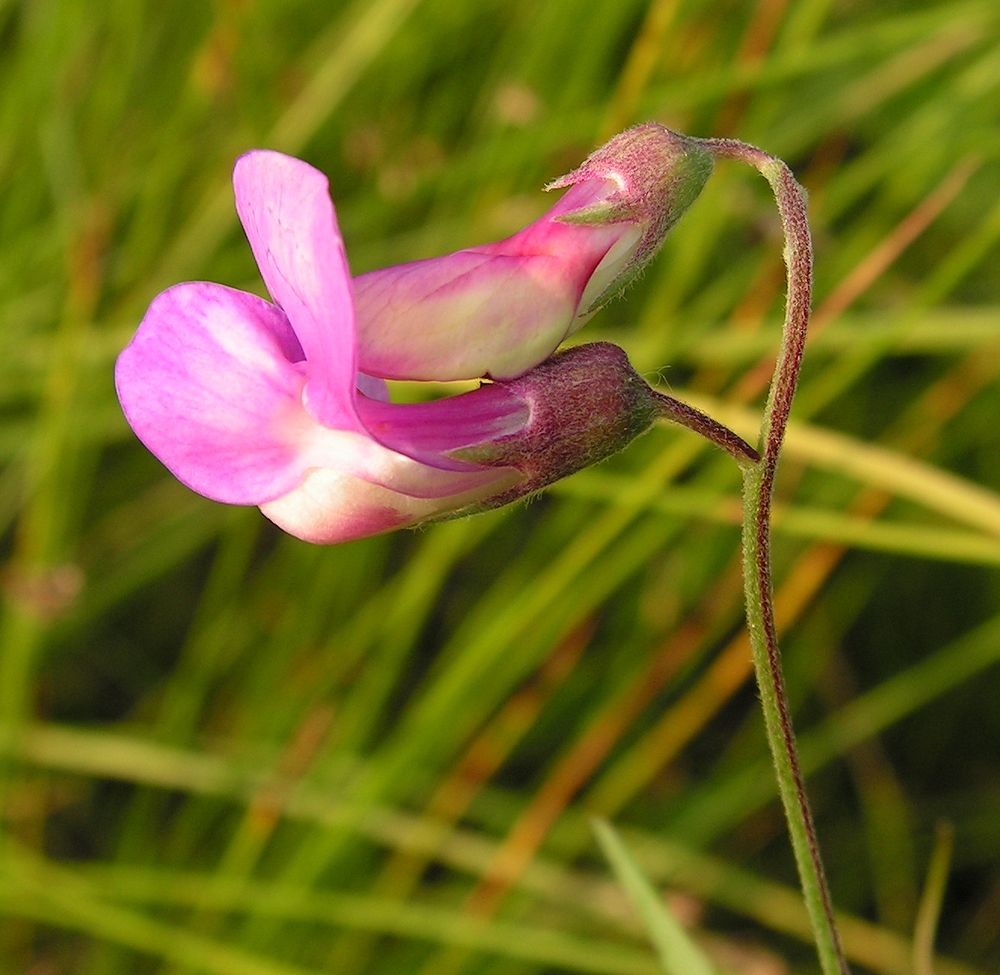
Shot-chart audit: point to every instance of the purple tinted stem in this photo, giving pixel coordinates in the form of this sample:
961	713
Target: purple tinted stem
720	435
791	201
758	483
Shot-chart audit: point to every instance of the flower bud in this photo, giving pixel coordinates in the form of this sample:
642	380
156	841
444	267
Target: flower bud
499	309
658	174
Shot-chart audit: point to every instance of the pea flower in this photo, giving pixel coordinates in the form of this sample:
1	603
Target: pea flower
262	403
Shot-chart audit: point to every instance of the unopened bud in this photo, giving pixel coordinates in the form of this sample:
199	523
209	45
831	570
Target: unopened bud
659	174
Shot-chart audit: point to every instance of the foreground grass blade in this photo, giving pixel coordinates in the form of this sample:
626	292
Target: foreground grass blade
678	953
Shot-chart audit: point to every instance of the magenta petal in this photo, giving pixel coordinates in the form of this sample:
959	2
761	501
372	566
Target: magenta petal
208	387
285	208
429	431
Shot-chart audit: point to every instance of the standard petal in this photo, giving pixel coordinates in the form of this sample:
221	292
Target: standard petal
207	386
285	207
495	310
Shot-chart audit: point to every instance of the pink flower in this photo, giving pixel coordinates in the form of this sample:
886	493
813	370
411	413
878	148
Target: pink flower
249	402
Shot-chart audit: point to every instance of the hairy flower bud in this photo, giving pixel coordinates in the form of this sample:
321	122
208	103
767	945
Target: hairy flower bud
499	309
658	174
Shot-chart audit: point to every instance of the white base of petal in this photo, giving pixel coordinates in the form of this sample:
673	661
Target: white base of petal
330	507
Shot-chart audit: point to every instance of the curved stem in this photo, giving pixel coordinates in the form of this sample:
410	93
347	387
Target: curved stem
758	488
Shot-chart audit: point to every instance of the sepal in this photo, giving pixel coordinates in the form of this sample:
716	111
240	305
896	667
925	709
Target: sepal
586	404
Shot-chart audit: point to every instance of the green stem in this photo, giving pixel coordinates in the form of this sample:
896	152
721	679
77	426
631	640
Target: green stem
758	489
777	719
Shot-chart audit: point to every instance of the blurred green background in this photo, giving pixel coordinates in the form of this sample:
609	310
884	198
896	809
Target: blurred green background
225	752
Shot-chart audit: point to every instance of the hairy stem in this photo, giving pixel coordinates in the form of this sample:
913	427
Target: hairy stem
758	488
719	434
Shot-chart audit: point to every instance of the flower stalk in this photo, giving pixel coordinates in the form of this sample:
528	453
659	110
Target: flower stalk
686	415
758	489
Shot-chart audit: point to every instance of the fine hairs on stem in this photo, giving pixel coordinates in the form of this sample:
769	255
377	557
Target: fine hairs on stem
758	486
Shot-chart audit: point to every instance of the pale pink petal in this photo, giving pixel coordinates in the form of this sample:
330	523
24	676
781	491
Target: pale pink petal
285	208
330	506
373	387
462	316
358	455
495	310
207	385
